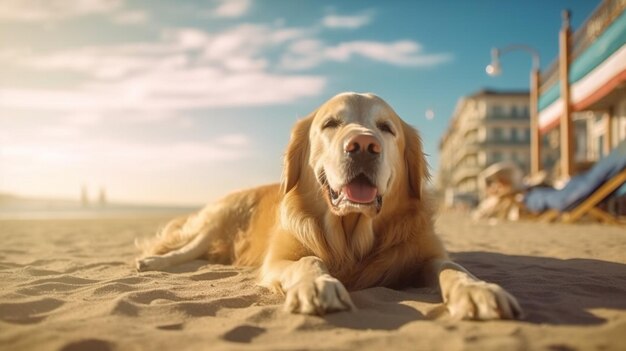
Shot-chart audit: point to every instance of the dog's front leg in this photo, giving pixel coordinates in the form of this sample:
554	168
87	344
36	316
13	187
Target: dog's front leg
307	285
467	297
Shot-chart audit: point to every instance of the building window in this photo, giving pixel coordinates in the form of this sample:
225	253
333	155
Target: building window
600	146
506	134
514	111
496	111
496	134
496	156
520	134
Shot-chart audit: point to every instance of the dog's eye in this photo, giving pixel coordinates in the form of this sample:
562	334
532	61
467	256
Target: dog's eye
385	127
331	123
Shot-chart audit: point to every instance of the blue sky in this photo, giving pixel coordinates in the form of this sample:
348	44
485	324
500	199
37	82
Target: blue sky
180	102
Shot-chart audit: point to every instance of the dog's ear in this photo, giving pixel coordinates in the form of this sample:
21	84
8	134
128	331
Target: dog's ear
296	155
416	165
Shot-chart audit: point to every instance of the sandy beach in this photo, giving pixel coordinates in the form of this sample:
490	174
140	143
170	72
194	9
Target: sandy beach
71	285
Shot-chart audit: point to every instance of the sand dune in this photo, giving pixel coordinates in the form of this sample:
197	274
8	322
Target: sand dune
70	285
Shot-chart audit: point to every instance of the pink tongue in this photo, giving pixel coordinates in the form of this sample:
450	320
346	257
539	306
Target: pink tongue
360	192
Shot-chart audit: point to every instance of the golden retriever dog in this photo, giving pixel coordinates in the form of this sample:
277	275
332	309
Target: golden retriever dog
350	213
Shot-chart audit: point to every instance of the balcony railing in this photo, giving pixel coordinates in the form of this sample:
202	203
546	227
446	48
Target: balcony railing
583	37
507	117
464	172
504	142
595	25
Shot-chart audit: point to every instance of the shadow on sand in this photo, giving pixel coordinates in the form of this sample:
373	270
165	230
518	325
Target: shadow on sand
551	290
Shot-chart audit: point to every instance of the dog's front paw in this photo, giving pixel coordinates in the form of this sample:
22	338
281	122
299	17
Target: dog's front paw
321	295
480	300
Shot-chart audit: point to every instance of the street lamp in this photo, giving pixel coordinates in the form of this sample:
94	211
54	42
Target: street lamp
495	69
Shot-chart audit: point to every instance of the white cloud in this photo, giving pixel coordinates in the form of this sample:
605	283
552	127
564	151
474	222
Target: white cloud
108	62
349	22
242	48
82	120
186	69
94	155
145	86
88	140
233	140
131	17
189	68
37	10
401	53
304	54
11	54
308	53
187	38
232	8
178	90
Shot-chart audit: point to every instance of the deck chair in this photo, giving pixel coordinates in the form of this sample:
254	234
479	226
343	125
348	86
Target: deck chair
589	205
583	193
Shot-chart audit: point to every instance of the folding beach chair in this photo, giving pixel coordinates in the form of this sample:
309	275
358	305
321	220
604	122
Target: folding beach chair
582	193
589	205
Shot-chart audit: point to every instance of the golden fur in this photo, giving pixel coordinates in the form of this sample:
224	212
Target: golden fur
312	250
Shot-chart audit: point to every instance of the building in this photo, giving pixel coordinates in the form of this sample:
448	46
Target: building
582	95
102	197
84	196
487	127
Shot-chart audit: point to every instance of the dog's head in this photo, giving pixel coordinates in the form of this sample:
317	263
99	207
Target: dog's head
358	152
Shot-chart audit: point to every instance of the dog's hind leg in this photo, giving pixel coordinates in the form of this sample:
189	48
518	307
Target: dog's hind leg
210	233
190	251
181	240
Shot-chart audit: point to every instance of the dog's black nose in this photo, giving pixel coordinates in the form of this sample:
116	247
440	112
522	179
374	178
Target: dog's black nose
363	143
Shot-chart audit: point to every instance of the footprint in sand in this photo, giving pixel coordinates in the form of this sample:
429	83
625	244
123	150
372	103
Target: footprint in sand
54	285
132	303
28	312
100	266
118	286
150	296
212	275
112	289
39	272
243	333
89	344
175	326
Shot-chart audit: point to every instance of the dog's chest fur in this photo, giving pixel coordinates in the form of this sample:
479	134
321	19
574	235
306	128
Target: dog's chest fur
362	257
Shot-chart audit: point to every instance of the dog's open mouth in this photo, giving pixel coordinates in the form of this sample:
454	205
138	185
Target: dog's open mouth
360	192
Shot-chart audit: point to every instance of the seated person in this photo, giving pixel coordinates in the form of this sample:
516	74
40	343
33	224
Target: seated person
497	202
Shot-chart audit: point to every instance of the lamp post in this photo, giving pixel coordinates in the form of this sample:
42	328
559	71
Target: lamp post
494	69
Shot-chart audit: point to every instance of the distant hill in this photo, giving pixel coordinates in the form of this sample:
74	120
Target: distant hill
10	200
6	197
17	206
